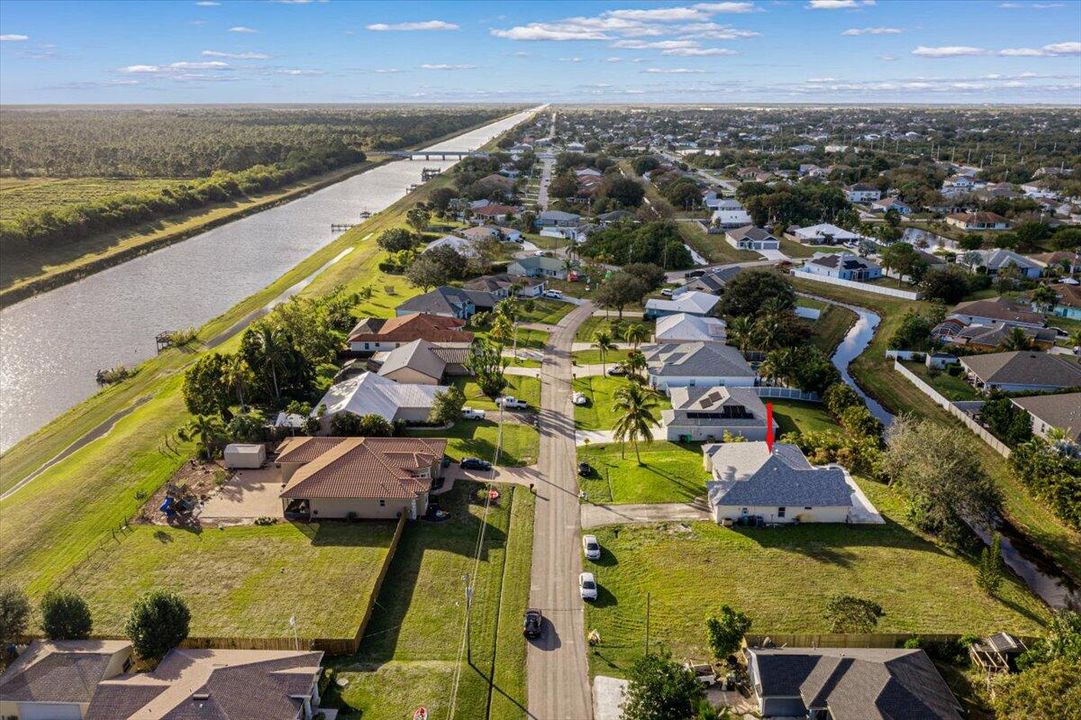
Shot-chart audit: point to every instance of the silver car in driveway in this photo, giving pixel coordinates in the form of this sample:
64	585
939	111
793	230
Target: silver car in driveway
591	547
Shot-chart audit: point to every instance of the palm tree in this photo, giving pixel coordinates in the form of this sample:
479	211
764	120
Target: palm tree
1044	297
603	342
634	363
208	433
742	332
768	333
238	376
275	355
1016	340
635	333
634	405
1075	338
502	329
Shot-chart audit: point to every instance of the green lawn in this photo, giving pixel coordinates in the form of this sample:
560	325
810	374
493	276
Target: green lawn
831	327
875	374
478	438
545	311
713	247
520	386
599	413
527	339
794	249
589	328
593	357
669	473
242	581
781	578
409	654
949	386
797	416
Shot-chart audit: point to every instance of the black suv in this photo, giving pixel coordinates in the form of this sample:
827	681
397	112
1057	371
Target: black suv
534	622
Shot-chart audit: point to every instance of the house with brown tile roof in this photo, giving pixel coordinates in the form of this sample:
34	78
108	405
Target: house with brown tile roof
373	335
363	477
88	679
978	221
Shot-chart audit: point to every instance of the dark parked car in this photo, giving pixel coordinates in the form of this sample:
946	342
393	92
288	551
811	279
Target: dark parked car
694	274
584	469
534	623
471	463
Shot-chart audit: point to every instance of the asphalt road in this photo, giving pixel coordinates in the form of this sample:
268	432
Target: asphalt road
556	663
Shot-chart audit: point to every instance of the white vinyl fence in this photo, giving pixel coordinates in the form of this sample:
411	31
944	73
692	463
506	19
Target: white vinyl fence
996	444
866	287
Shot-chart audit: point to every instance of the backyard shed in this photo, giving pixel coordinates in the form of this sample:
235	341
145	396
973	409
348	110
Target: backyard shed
238	455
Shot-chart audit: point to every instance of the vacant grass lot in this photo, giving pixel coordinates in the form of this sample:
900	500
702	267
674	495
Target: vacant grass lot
600	413
520	386
587	331
593	357
781	578
243	581
478	438
18	196
713	247
875	374
410	653
545	311
669	473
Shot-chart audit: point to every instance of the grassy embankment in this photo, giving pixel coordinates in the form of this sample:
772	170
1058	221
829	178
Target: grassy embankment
875	374
73	509
831	327
410	652
57	265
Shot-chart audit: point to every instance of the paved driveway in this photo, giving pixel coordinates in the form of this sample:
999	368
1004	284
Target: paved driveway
598	515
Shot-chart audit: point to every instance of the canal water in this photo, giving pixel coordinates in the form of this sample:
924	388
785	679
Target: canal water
1027	561
51	345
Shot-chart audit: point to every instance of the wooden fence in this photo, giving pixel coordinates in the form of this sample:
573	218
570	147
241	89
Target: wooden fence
996	444
852	640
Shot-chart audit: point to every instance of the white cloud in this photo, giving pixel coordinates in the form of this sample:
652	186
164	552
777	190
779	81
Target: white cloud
208	65
14	38
447	66
387	71
242	29
654	45
295	71
673	14
546	31
946	51
236	56
141	69
837	4
207	3
699	52
673	71
873	31
727	7
413	26
887	58
1030	6
613	59
714	31
821	80
1052	50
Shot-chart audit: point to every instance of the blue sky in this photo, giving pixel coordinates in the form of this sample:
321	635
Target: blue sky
214	51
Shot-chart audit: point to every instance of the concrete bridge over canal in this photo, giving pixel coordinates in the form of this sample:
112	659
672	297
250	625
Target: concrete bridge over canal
439	154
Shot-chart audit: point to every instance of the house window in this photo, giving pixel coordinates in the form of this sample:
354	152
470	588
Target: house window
382	503
780	512
366	346
808	507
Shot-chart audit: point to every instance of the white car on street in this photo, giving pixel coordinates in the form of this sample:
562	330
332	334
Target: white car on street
511	403
469	413
554	294
591	547
587	586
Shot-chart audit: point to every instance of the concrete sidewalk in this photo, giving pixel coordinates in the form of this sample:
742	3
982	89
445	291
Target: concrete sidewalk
599	515
592	437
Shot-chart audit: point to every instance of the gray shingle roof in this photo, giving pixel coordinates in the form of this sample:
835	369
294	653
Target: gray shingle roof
696	359
1024	367
857	683
1060	411
778	483
448	299
59	671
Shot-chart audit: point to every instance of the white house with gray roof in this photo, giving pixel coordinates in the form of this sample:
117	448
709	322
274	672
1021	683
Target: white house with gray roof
751	238
1054	412
692	302
684	327
696	364
780	487
1022	371
706	414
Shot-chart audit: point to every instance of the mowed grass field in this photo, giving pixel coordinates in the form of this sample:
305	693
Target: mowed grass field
797	416
19	196
479	438
781	577
600	413
669	473
413	645
831	327
587	331
242	581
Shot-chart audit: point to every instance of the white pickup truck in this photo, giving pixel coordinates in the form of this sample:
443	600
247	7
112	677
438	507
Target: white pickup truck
510	402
